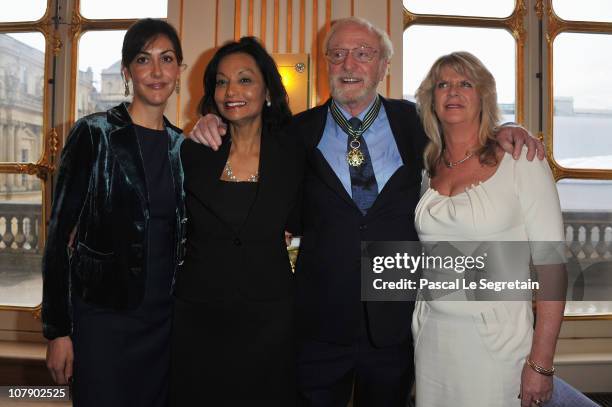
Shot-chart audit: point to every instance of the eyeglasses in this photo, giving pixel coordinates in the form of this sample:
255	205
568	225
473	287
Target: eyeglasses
360	54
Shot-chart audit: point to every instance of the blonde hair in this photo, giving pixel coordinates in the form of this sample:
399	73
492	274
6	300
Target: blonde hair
386	46
467	65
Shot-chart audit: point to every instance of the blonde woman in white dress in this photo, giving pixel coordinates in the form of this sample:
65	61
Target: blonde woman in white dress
481	353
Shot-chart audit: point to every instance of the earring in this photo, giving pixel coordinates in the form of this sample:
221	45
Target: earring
268	102
177	88
127	89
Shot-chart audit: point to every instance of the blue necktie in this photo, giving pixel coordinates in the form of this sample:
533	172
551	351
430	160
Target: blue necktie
363	182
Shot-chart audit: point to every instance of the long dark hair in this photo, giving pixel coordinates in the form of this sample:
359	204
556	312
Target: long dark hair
275	115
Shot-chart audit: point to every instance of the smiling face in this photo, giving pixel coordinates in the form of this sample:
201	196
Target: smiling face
456	100
353	83
240	91
154	72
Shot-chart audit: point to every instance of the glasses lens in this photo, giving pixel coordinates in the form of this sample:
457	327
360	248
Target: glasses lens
363	54
336	55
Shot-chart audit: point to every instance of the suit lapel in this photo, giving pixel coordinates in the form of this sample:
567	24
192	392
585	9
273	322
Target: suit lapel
174	155
270	166
402	133
329	177
205	182
400	130
125	147
272	171
316	158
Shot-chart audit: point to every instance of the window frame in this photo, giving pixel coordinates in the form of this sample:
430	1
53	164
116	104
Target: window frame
551	26
44	166
62	26
514	24
555	25
79	26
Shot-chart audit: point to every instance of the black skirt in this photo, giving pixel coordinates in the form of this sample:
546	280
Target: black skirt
233	353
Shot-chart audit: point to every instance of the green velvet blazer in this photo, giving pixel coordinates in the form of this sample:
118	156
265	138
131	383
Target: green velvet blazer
101	190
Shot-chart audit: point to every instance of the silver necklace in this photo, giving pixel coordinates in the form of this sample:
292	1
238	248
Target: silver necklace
451	164
230	174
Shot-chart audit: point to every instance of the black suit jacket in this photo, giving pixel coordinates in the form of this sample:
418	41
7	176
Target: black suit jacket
101	187
221	263
328	267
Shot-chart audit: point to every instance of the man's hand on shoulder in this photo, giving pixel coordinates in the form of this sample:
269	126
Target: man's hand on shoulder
512	137
208	131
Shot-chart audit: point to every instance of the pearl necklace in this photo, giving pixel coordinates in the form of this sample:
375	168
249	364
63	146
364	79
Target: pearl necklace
451	164
230	174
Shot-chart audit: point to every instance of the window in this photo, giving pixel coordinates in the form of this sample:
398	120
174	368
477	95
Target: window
22	54
432	29
580	134
582	119
25	10
425	43
586	10
478	8
20	238
573	112
100	83
24	130
33	114
121	9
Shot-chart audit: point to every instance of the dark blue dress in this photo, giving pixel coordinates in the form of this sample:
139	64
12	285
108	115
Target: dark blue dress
122	358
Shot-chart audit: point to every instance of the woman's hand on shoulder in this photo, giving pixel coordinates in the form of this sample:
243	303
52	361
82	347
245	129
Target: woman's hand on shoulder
60	356
535	387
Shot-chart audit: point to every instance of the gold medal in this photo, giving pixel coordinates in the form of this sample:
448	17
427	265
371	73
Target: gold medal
355	128
355	157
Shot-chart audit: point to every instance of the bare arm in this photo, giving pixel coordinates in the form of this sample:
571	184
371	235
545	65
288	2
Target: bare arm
534	385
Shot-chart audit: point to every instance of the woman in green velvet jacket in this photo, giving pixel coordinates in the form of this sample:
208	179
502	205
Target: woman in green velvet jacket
116	236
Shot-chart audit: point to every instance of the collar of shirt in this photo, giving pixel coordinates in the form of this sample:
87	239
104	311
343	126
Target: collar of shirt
381	145
360	116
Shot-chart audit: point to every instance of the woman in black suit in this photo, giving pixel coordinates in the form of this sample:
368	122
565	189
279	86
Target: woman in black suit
233	332
115	236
